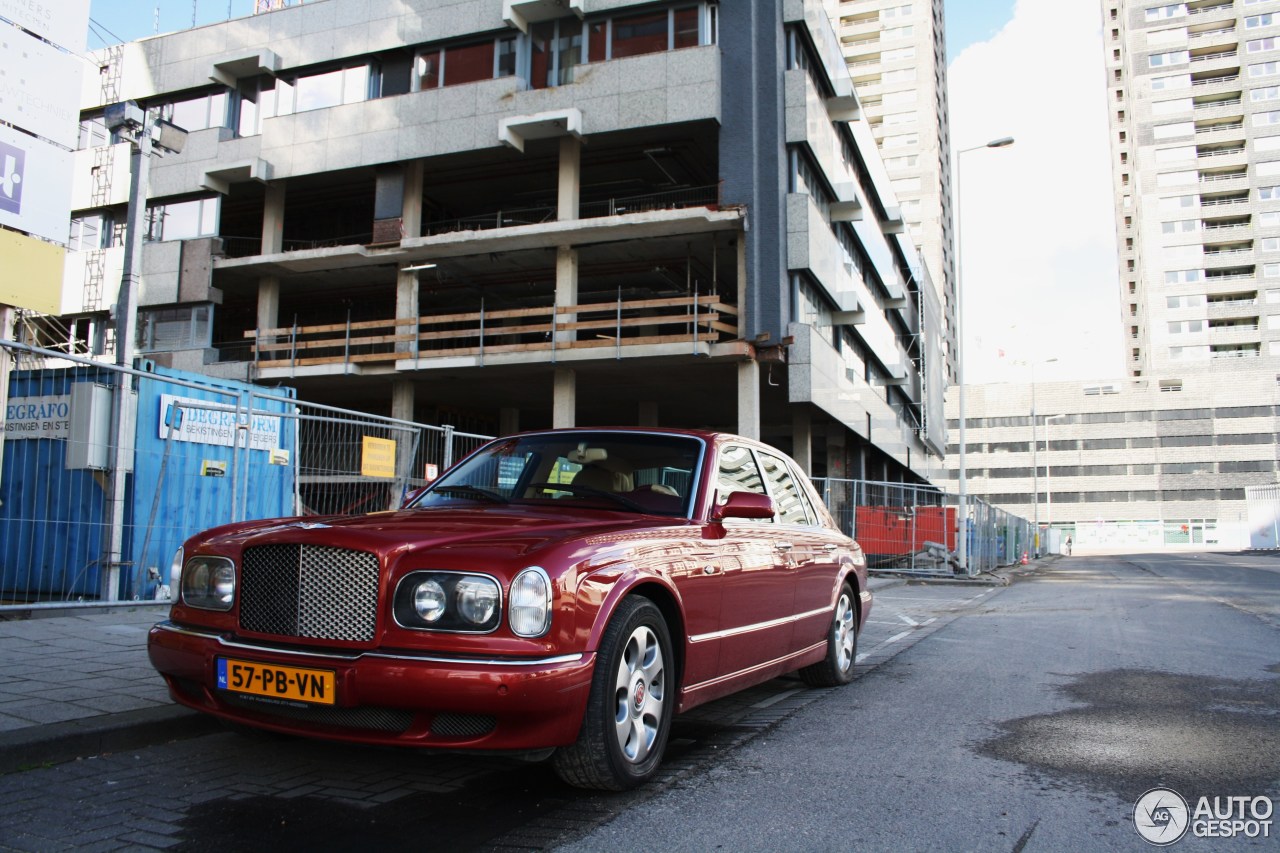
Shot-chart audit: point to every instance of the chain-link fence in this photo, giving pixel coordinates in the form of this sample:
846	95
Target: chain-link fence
106	470
913	529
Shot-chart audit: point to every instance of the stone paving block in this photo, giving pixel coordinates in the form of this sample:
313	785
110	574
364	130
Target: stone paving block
64	694
154	842
115	703
157	827
48	712
28	842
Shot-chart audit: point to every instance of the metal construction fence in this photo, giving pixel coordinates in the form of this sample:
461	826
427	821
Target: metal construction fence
913	529
106	470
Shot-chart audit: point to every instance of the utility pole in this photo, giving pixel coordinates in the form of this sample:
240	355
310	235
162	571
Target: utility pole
146	135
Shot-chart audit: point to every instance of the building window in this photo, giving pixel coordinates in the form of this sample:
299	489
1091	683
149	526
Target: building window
198	113
1264	69
1161	13
1258	45
1254	21
93	132
1173	57
556	48
170	329
182	220
87	233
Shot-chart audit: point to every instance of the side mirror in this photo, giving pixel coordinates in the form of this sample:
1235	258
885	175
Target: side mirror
746	505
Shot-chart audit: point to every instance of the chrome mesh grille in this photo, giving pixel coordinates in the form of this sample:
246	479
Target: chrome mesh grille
314	591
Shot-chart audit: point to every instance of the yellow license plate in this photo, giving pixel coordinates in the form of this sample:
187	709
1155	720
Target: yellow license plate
318	686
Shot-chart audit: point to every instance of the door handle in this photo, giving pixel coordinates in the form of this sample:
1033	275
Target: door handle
783	546
831	547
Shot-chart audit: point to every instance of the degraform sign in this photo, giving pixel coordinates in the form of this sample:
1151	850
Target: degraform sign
40	87
38	417
63	22
214	426
35	186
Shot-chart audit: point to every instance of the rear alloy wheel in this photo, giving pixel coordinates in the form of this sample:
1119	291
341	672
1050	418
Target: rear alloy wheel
842	646
624	731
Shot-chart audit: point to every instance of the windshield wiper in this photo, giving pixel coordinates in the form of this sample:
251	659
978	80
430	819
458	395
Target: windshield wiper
468	491
590	492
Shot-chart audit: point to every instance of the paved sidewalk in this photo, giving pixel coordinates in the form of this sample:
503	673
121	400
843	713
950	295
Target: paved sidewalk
77	682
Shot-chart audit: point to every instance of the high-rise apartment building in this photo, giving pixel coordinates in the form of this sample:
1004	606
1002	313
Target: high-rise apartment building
523	214
1193	93
896	53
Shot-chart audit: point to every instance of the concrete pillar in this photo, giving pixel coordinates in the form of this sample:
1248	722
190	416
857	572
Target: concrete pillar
273	220
802	439
402	399
268	302
570	184
407	282
272	243
566	289
411	213
564	402
508	420
648	413
407	309
749	399
837	463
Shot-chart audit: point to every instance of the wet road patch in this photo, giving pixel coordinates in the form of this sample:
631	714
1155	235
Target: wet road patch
1139	729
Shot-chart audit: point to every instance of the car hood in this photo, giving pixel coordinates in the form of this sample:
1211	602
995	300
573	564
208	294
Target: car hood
503	531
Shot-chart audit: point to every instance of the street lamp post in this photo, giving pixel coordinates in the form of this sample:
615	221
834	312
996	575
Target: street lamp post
1035	466
1048	477
962	507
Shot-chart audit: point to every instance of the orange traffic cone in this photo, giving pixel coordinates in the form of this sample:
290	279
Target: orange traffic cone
1024	558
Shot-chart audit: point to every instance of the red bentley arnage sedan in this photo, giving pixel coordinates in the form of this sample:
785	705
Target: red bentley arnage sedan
564	592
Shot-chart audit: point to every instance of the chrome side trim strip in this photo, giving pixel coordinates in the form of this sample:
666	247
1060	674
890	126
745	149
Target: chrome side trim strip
759	626
425	657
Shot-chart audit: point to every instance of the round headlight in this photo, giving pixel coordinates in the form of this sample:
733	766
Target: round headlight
209	583
429	601
530	608
477	599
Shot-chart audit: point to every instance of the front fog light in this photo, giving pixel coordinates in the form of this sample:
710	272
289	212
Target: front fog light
530	609
429	601
477	599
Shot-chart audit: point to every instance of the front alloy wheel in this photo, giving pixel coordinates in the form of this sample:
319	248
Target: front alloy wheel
628	716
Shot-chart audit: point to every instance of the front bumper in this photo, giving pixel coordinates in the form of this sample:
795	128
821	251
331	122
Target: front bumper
404	698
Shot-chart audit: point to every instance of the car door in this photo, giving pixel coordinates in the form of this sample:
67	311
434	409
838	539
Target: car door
756	562
815	550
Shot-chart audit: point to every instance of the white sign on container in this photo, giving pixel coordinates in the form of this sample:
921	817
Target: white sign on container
63	22
209	422
35	186
40	87
38	417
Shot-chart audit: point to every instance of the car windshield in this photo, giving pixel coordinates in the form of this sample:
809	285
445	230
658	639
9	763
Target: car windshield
628	472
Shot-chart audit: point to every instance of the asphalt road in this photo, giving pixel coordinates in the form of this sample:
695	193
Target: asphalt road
1032	723
1021	718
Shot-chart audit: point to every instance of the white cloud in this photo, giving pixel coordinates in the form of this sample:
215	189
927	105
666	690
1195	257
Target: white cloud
1040	278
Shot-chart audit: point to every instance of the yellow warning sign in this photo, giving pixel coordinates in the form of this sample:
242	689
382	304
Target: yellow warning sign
378	458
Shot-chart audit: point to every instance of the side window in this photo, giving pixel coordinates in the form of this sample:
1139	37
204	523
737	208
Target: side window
785	491
738	473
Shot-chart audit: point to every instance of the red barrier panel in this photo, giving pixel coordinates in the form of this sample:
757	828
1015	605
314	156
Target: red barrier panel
898	531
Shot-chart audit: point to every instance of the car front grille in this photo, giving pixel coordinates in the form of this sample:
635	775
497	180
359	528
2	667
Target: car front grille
314	591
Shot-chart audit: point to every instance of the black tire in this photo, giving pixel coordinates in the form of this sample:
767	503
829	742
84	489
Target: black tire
628	717
842	646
